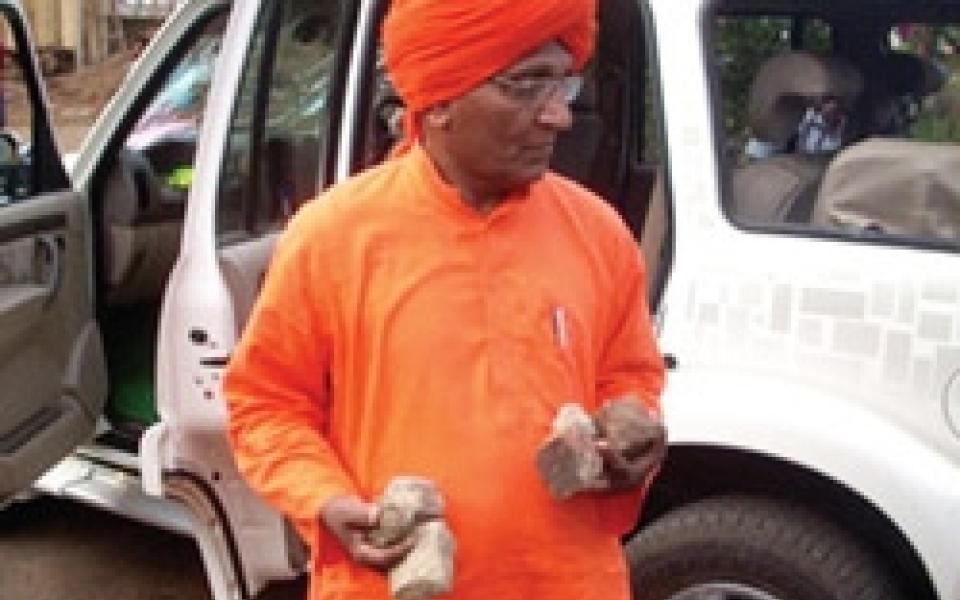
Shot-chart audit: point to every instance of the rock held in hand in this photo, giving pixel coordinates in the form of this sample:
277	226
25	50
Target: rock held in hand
406	502
428	570
628	427
568	460
414	506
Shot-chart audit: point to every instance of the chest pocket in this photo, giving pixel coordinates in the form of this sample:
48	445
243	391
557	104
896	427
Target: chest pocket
540	345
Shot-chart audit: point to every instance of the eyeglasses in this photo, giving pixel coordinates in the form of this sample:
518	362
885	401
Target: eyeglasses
535	90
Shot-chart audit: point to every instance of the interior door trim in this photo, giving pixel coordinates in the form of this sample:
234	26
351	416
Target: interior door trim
30	226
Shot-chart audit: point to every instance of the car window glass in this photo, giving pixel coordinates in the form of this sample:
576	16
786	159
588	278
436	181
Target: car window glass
934	109
16	121
742	46
140	194
852	128
279	129
164	139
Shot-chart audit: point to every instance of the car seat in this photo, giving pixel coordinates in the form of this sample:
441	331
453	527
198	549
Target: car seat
141	230
893	186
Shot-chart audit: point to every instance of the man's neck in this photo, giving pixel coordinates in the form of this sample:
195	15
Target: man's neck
481	198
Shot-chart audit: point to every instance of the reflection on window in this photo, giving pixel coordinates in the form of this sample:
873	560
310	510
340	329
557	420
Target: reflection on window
937	110
844	125
278	132
177	109
143	195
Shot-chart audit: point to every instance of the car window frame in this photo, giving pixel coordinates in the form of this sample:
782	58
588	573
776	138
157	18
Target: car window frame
725	167
251	214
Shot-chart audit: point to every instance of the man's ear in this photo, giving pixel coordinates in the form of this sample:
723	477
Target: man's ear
437	116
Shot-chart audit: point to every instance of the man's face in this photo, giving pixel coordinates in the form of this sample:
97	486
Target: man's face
832	112
501	134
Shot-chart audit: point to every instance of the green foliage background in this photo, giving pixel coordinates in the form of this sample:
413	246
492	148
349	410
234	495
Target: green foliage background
743	44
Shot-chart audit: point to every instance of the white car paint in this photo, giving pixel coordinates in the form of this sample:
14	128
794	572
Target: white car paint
755	320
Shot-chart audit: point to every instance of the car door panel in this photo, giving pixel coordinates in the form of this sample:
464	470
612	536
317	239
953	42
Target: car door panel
52	375
53	382
21	309
25	450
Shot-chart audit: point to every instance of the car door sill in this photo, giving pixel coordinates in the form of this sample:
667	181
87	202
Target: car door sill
109	480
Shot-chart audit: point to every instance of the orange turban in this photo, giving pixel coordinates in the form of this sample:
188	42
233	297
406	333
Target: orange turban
437	50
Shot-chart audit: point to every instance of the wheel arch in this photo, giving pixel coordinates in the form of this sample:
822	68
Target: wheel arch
694	472
890	461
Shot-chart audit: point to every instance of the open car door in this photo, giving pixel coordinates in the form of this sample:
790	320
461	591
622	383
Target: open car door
52	373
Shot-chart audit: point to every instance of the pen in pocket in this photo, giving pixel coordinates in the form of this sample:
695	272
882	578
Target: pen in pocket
560	332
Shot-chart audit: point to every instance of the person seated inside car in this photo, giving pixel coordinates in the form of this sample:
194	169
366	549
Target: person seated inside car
821	128
798	114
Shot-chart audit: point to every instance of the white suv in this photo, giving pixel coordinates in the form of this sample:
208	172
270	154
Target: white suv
789	167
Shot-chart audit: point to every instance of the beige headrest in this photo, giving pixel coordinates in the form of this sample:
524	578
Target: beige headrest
788	83
896	186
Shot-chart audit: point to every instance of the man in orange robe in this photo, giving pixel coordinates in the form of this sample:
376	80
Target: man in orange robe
429	316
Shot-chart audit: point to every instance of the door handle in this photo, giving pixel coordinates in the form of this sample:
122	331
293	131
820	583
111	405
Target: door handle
49	262
669	361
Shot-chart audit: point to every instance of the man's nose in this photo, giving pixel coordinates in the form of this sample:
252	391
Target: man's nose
556	113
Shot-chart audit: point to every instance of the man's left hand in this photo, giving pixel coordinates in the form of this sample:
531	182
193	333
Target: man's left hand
632	443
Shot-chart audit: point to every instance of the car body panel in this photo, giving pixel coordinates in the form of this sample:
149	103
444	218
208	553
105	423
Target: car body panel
820	351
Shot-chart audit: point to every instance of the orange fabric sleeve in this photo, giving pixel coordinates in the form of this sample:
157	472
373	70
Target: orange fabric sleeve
276	387
630	364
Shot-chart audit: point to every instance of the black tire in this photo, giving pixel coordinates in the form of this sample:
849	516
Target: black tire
745	548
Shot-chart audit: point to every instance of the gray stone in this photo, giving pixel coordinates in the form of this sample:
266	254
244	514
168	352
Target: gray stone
428	569
406	501
413	506
568	461
627	426
572	417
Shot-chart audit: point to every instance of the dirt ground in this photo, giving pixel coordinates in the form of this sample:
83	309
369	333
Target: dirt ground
76	99
57	550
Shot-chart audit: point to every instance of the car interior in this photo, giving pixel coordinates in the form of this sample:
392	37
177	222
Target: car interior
139	199
140	195
890	77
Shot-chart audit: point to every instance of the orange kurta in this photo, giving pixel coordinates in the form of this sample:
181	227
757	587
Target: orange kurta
401	333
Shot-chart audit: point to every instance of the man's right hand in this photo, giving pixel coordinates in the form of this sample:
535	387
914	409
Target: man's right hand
633	443
349	519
